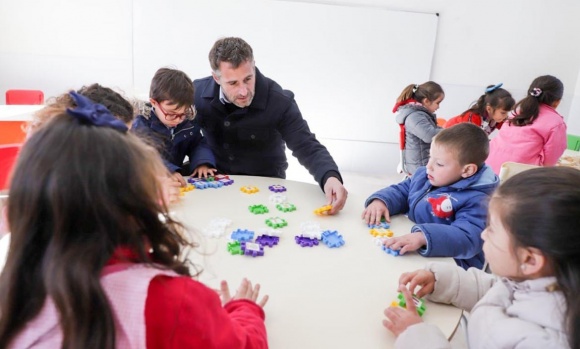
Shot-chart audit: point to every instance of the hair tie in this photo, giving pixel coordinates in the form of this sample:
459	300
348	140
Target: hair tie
415	88
536	92
89	113
493	88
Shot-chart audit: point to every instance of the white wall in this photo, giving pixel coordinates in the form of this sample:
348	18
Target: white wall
478	43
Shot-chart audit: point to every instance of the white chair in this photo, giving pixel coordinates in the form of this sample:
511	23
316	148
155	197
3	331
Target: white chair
509	169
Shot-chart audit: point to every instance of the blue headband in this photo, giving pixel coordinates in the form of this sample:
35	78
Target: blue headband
493	88
89	113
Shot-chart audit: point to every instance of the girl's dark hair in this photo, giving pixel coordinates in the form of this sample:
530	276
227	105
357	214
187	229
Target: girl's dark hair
430	90
541	208
78	193
545	89
497	99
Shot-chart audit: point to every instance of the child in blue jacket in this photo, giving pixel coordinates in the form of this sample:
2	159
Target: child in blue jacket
168	122
447	199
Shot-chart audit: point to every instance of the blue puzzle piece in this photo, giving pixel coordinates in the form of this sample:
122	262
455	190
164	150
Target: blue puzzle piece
332	238
383	225
390	251
242	235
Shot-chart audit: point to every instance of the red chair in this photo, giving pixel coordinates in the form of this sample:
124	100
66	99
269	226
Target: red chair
8	156
24	97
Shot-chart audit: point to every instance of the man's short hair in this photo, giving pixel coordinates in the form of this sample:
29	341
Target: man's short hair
172	85
231	50
468	141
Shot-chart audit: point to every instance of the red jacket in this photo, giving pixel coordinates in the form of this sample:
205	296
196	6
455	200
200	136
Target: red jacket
475	119
183	313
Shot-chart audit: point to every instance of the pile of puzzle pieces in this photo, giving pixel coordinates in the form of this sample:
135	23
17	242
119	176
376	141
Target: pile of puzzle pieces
216	181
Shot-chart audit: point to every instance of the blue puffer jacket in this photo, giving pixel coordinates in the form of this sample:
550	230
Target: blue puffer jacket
452	218
174	143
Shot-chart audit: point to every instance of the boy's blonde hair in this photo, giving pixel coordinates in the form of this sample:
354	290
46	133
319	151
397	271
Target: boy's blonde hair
467	141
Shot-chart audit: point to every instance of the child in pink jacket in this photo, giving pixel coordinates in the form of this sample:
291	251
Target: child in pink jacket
535	134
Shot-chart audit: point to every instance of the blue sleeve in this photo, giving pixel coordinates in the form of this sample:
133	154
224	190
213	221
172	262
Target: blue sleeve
396	197
142	128
462	238
200	153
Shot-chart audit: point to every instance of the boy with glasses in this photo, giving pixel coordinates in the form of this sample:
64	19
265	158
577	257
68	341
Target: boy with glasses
168	122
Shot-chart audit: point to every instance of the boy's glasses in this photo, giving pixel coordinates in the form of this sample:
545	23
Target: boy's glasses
189	113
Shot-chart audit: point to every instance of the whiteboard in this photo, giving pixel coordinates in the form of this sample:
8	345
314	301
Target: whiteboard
346	64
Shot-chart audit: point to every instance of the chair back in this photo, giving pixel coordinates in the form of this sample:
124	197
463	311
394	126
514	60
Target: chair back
8	156
573	142
24	97
509	169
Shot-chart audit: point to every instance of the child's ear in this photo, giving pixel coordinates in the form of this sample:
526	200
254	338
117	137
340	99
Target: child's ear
468	170
534	262
151	100
488	110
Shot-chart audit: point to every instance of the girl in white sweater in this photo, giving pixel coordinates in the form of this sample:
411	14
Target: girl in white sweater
532	246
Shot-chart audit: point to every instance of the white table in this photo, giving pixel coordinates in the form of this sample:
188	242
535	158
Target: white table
320	297
18	112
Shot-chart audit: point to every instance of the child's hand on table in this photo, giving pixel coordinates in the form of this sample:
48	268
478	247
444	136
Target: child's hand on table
375	211
176	176
399	319
423	278
406	243
245	291
203	171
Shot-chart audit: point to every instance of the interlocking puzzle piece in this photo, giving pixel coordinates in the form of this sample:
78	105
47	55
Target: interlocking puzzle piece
219	177
286	207
321	211
252	249
214	184
276	222
311	230
382	224
381	232
269	232
277	198
194	179
305	242
258	209
226	181
332	238
201	184
249	189
216	227
390	251
242	235
183	190
380	241
234	247
277	188
266	240
419	303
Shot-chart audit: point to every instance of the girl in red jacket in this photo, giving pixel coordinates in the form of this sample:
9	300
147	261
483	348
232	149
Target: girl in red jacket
95	260
490	110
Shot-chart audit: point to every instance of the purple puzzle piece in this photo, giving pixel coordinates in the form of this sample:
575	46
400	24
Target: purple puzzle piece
252	249
277	188
306	242
266	240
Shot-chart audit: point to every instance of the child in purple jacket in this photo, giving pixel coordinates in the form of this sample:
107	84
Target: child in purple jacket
447	199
